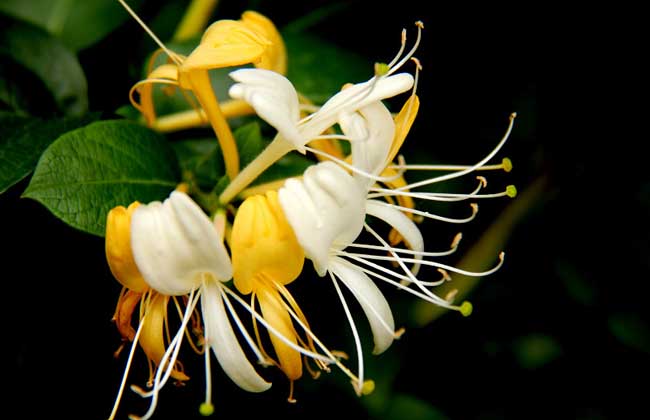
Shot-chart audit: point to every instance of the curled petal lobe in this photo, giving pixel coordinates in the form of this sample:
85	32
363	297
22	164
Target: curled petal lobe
372	302
222	340
326	211
263	243
174	242
278	317
274	99
275	55
403	123
118	248
153	332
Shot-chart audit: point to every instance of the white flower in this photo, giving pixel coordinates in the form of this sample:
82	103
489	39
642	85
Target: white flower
179	252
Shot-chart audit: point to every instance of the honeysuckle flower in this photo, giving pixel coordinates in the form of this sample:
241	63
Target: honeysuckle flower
226	43
266	257
276	101
135	291
178	252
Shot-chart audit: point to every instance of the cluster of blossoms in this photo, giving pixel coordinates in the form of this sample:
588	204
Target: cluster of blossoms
174	255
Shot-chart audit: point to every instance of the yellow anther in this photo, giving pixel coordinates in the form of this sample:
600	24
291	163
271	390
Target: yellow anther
466	308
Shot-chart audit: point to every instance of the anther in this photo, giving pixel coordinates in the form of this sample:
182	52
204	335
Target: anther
482	180
419	24
417	62
206	409
399	333
445	274
507	164
466	308
456	241
449	297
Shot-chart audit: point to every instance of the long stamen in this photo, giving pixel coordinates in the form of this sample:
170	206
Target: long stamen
126	370
153	36
401	49
397	66
428	215
450	251
355	333
433	263
430	196
408	272
397	284
354	168
261	320
166	362
260	358
506	165
469	169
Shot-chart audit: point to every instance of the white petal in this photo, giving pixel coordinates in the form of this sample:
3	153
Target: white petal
224	343
174	242
369	154
274	99
372	302
402	224
354	98
325	210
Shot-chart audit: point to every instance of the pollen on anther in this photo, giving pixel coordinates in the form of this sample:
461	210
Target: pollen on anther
466	308
507	164
206	409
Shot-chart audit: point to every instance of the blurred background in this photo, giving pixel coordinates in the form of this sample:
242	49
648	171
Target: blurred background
559	331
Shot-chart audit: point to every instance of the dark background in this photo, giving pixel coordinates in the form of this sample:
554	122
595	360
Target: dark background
559	332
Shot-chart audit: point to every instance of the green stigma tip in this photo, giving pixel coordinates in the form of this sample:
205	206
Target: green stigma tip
507	164
511	191
206	409
466	308
368	387
381	69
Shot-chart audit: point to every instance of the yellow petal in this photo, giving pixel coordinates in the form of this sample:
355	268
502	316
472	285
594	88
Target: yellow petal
124	313
153	329
275	56
118	248
263	243
277	316
226	43
403	123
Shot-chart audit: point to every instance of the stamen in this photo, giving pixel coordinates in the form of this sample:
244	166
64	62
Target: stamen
506	165
290	398
126	370
443	197
353	168
401	49
397	66
471	168
357	341
404	280
428	215
150	32
261	320
433	264
261	359
405	251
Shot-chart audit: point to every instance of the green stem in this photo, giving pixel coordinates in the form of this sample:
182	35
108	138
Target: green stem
274	151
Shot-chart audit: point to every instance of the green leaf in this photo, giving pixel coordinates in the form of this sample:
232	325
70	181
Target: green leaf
79	23
630	330
88	171
49	60
315	66
408	406
201	161
23	139
536	350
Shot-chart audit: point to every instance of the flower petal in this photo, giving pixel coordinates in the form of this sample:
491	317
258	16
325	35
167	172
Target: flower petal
274	99
325	210
371	299
401	223
224	343
118	248
173	242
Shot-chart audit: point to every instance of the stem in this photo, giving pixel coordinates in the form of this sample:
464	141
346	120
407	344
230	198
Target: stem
195	19
274	151
200	82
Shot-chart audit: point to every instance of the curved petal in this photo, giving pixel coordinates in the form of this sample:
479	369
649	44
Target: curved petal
372	302
275	56
223	341
401	223
325	210
118	248
274	99
354	98
173	242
